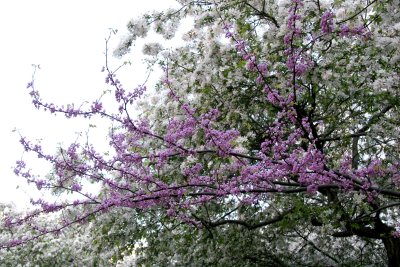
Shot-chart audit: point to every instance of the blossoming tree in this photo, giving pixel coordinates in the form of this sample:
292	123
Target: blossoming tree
275	123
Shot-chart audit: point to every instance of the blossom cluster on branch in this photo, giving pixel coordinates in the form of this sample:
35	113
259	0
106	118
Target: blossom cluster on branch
286	111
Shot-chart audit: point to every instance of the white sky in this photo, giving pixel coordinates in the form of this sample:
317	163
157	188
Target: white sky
66	37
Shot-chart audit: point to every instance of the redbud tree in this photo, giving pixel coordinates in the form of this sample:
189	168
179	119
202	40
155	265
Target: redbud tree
276	122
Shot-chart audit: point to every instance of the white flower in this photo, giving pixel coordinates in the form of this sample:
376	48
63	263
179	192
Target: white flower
154	99
327	74
152	49
124	46
138	27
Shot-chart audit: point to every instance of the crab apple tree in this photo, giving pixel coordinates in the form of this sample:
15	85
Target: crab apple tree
276	124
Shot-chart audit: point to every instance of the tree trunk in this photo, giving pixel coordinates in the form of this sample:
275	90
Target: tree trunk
392	246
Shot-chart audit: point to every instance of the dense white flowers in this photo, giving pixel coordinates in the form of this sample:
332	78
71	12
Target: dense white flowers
152	49
138	27
124	46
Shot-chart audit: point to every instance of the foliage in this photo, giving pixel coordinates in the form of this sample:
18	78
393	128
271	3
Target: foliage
272	140
72	247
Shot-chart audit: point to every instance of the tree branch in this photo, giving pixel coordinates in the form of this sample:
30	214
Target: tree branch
248	225
263	14
363	130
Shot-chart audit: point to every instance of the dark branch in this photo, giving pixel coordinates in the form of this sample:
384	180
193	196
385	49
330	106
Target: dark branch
249	225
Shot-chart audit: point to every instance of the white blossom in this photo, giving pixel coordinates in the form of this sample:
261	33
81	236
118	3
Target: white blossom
152	49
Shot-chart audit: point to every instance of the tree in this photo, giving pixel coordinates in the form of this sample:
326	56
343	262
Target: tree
72	247
276	131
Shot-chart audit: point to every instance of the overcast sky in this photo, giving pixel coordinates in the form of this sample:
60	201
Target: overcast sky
67	39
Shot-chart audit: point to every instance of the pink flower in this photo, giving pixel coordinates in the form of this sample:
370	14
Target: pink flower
327	22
